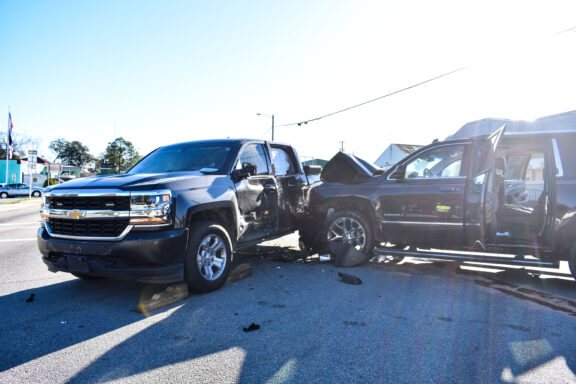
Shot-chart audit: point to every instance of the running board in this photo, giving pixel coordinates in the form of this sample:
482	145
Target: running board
467	257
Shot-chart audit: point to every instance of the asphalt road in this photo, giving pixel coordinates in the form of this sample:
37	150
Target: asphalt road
417	322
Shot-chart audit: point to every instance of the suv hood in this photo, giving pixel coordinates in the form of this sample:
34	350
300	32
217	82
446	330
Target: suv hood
348	169
135	181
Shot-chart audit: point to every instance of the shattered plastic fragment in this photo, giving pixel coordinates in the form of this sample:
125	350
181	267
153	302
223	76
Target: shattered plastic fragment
350	279
251	327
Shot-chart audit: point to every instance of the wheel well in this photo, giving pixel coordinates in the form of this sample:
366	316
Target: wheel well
361	206
222	216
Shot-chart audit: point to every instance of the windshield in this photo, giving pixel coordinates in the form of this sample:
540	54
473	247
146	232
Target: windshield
209	158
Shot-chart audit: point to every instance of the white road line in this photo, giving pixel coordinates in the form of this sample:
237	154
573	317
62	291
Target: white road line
23	223
5	240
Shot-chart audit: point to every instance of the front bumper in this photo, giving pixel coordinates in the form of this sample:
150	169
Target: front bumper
148	257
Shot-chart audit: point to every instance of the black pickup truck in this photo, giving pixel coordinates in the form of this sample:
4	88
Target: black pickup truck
178	215
508	197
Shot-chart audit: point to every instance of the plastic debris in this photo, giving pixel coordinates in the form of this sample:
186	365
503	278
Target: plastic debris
350	279
30	299
251	327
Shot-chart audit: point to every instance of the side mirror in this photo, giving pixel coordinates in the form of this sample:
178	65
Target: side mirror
397	174
247	170
312	170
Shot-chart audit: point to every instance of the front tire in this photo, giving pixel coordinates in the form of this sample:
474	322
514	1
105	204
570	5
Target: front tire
36	194
209	257
351	228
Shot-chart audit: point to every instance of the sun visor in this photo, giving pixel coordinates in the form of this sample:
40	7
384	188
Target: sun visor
345	169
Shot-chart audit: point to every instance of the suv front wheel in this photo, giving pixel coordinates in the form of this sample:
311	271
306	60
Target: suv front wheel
351	228
209	258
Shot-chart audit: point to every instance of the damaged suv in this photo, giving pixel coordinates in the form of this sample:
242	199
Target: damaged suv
508	197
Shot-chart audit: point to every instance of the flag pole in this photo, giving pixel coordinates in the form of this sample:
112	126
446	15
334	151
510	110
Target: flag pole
7	145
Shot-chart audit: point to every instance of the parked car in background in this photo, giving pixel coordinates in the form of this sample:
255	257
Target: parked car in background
19	189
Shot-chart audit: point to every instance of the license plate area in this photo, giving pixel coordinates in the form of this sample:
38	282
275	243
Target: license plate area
77	264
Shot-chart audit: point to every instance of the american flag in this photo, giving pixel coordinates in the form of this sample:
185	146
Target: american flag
11	126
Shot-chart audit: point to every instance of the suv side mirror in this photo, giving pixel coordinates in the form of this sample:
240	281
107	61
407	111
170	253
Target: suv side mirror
247	170
397	174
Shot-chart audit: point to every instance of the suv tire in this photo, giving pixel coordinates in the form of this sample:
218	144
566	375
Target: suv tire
209	257
353	228
3	195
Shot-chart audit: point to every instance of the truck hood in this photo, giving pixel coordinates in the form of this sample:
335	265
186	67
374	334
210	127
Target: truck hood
133	181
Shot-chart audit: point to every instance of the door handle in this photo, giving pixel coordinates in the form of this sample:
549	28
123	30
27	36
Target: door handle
449	189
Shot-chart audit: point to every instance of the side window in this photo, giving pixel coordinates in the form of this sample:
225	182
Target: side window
444	161
283	164
254	154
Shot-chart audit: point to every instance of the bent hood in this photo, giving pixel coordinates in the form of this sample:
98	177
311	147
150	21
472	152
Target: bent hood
346	169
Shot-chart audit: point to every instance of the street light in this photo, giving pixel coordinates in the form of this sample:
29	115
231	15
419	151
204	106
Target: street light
272	117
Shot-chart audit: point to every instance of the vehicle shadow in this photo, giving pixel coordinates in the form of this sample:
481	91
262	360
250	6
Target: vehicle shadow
46	319
393	327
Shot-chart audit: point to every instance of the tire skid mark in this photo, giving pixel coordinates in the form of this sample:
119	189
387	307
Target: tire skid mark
545	299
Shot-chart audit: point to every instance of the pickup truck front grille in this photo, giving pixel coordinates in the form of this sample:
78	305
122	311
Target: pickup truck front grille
91	228
110	203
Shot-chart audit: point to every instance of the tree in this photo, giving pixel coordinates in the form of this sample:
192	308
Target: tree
19	142
119	155
71	152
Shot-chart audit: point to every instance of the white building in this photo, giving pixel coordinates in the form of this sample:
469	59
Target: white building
394	153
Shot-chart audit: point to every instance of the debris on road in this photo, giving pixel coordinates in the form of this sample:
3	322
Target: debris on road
350	279
30	299
251	327
151	298
241	271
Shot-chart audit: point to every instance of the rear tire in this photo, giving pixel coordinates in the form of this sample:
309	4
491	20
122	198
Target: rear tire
209	257
3	195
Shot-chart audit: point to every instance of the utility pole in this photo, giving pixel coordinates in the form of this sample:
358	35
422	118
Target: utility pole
341	146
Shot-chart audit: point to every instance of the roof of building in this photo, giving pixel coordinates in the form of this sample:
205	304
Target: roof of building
408	148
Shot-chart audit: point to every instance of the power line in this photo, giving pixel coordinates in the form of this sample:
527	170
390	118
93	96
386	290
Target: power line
376	99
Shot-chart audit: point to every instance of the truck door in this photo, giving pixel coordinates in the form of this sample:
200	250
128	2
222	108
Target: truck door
290	181
257	194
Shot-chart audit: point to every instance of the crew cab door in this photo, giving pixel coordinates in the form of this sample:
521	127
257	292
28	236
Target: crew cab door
290	181
256	193
425	205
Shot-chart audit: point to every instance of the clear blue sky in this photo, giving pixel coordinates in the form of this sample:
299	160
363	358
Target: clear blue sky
163	72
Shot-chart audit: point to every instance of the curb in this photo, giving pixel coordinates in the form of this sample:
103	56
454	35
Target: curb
25	203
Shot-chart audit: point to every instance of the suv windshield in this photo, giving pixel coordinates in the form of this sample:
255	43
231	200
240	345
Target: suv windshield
208	158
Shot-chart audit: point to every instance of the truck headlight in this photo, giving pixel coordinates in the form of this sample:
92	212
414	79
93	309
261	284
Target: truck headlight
150	208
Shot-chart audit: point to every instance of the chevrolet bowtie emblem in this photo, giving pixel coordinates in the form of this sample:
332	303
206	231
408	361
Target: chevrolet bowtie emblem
76	214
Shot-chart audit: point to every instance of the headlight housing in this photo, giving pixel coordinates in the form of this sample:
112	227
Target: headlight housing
151	208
